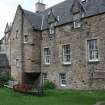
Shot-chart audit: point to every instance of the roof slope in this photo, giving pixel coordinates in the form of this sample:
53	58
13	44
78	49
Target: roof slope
35	19
92	7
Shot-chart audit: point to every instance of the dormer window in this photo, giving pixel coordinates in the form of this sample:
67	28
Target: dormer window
51	29
76	20
52	20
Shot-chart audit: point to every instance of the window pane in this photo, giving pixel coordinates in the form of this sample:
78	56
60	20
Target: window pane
47	51
51	29
44	76
63	81
66	53
76	17
92	49
47	55
25	38
62	78
76	20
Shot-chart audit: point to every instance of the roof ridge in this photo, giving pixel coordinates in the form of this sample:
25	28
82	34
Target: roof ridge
54	6
34	13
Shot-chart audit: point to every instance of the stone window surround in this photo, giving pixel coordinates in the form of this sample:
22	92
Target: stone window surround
62	81
44	60
87	52
65	63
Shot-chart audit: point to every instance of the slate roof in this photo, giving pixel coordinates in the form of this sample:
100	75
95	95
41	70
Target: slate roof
35	19
38	20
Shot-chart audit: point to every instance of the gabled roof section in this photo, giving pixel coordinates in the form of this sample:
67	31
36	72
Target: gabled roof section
35	19
77	7
51	17
62	10
18	8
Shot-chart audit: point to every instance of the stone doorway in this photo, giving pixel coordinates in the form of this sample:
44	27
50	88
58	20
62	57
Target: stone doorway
32	79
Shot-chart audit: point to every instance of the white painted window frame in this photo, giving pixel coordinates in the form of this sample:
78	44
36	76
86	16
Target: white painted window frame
49	56
63	55
88	50
51	29
76	20
61	80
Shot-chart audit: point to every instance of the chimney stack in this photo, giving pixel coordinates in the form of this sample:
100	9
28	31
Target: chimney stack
40	6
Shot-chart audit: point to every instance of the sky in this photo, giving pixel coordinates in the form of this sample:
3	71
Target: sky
8	9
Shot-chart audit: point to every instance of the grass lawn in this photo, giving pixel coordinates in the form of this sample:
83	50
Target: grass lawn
52	97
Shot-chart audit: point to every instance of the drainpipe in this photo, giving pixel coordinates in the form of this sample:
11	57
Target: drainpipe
41	74
22	47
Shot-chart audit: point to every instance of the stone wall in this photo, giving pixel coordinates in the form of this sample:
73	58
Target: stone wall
16	46
78	73
31	49
25	56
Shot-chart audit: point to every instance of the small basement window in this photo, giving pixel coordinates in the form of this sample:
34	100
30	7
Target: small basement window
62	79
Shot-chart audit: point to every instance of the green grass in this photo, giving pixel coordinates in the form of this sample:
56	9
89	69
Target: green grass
52	97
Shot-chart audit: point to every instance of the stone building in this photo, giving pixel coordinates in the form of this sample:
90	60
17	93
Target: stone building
64	44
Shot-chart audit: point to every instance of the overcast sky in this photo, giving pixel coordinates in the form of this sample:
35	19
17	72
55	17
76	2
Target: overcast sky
8	9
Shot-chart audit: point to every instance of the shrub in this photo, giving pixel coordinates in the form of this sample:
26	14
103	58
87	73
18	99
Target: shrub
48	85
22	88
3	79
